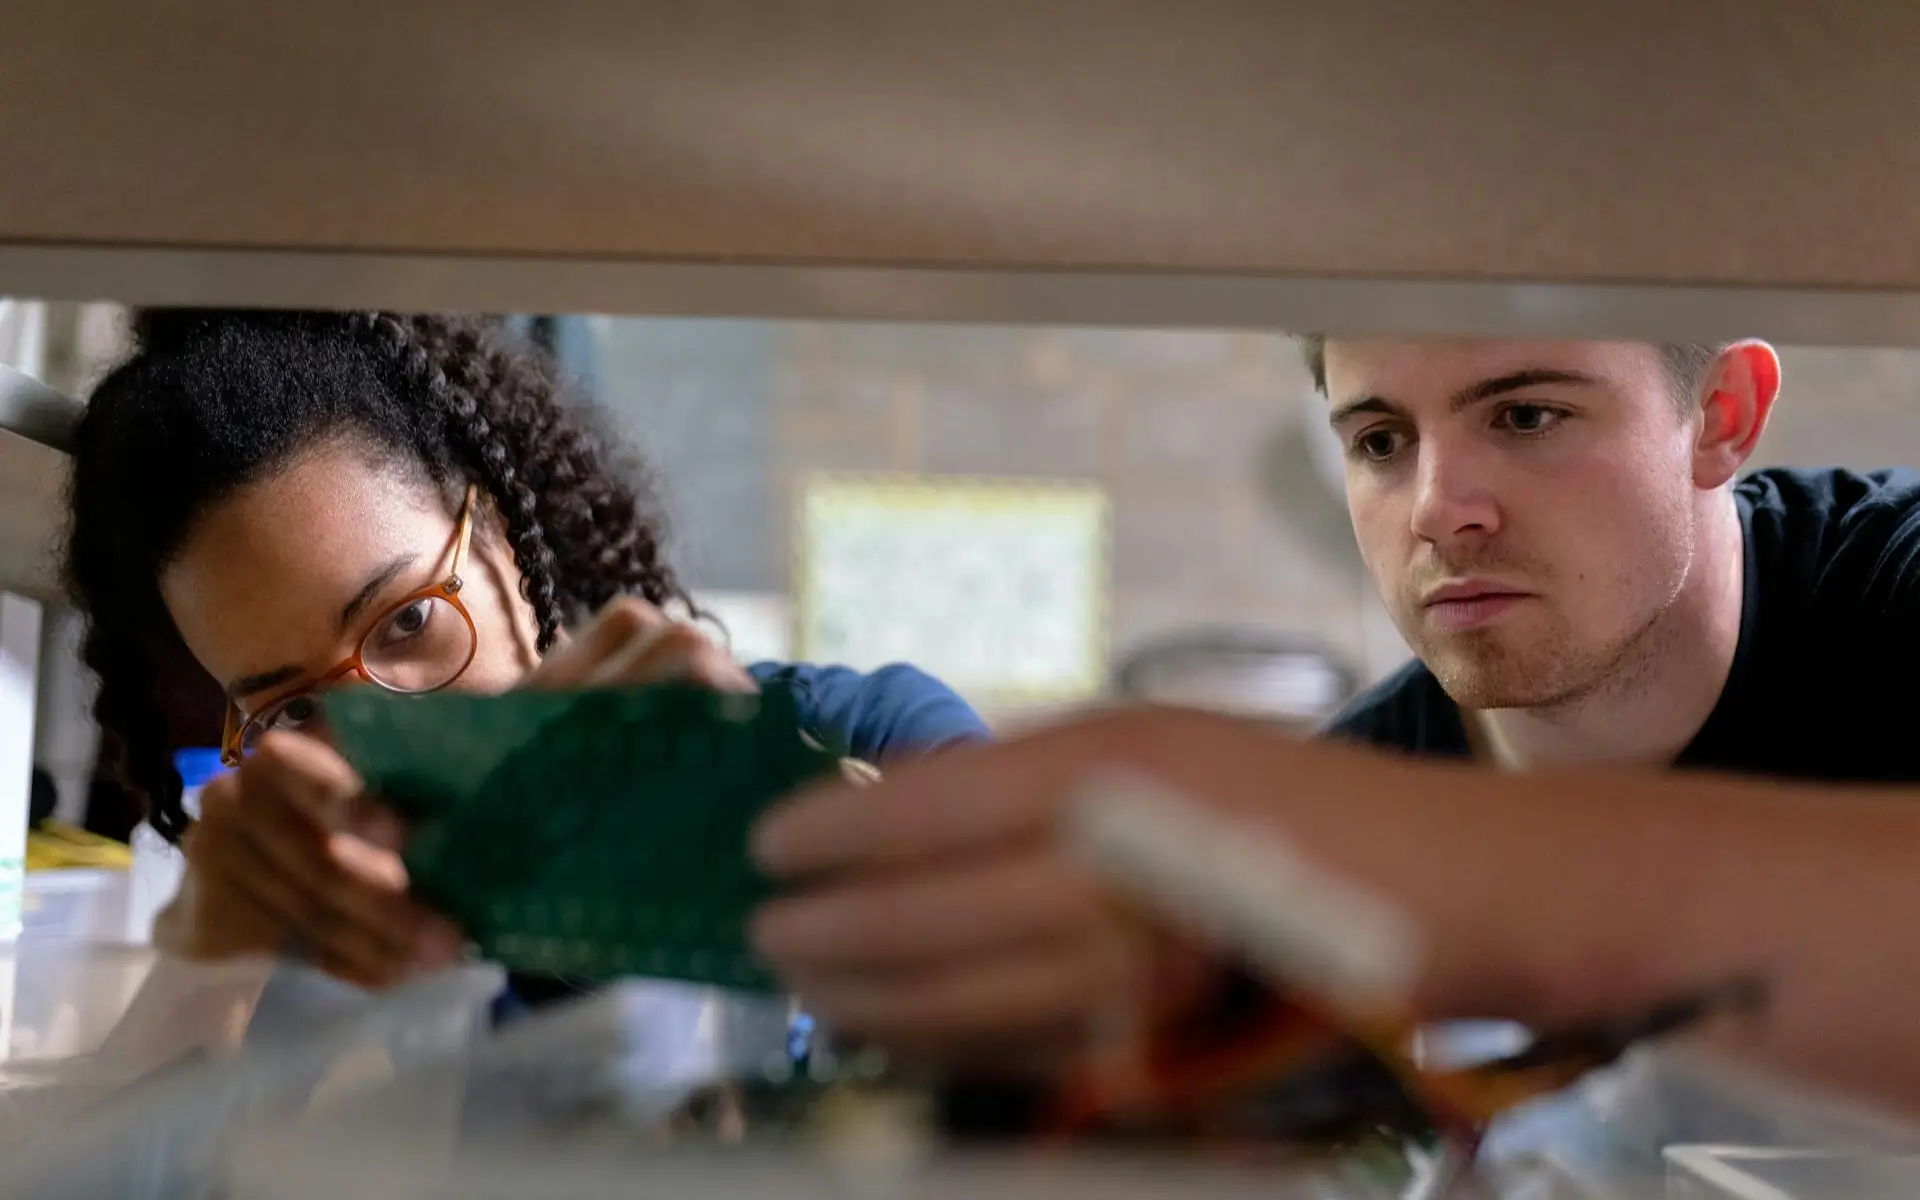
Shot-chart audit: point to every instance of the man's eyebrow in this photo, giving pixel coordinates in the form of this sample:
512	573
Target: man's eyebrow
247	685
1500	385
1363	404
1466	397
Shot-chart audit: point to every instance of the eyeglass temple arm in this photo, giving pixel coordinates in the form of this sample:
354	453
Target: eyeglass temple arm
463	534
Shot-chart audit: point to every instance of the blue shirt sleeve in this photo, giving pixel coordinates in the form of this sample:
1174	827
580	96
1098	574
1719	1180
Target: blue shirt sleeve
895	712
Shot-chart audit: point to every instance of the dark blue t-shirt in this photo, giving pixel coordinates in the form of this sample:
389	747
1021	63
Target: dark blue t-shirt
1823	680
897	711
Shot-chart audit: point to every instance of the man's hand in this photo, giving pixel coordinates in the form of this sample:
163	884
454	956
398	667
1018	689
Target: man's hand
938	912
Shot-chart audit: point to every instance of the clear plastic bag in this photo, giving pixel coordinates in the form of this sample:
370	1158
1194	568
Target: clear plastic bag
154	1108
583	1102
413	1094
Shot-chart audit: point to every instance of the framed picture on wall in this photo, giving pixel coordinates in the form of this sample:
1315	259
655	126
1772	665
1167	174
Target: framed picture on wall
998	587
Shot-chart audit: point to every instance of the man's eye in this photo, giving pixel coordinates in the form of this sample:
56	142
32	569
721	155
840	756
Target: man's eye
1529	418
1376	445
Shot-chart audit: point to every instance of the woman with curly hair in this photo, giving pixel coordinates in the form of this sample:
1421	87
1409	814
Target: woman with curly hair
290	501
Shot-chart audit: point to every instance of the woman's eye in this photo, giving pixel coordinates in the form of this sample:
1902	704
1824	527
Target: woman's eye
409	622
296	713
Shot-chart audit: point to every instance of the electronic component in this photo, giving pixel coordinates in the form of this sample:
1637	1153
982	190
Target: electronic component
586	835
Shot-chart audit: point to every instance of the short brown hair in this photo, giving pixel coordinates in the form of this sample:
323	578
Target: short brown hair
1687	364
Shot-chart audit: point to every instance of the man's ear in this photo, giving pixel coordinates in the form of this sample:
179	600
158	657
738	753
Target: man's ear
1736	398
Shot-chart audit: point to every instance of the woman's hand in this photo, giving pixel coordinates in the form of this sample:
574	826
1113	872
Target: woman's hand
630	642
289	854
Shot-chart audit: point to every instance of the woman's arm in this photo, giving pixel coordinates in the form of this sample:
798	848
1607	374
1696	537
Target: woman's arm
885	716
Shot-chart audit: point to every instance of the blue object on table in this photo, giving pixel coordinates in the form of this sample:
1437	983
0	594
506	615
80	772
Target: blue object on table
198	766
799	1041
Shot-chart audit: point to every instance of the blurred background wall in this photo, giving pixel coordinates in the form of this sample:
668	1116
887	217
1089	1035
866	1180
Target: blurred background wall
1225	514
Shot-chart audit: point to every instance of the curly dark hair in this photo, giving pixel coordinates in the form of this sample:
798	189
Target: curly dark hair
212	400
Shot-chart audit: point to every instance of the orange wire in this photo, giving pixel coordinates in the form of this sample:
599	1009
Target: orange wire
1170	1076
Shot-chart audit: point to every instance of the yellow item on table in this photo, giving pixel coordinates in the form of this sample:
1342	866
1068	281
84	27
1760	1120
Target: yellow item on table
55	845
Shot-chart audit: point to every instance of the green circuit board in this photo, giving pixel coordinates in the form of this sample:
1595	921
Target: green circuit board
588	835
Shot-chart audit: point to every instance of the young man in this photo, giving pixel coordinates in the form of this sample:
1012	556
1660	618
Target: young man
1557	532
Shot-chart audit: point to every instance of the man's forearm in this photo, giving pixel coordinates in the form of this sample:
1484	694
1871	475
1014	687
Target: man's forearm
1647	886
1554	896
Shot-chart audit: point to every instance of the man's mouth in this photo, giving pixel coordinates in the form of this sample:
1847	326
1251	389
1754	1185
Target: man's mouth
1468	604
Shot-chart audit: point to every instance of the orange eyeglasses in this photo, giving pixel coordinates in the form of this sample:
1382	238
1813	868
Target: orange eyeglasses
419	644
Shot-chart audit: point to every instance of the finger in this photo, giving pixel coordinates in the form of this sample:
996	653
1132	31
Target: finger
974	796
264	857
967	799
371	927
330	886
908	920
616	626
1033	992
221	794
352	952
377	825
371	894
336	877
677	653
302	801
622	660
306	775
350	897
197	923
375	867
245	818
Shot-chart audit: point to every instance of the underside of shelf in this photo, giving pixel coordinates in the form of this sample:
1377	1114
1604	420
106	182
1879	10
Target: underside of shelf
1494	166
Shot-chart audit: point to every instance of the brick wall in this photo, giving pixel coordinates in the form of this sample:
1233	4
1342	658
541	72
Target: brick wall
1200	439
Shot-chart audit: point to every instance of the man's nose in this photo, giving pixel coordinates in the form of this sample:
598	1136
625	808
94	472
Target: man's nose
1455	495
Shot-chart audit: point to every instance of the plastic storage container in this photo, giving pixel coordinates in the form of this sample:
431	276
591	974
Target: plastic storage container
58	998
84	904
154	1111
157	864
